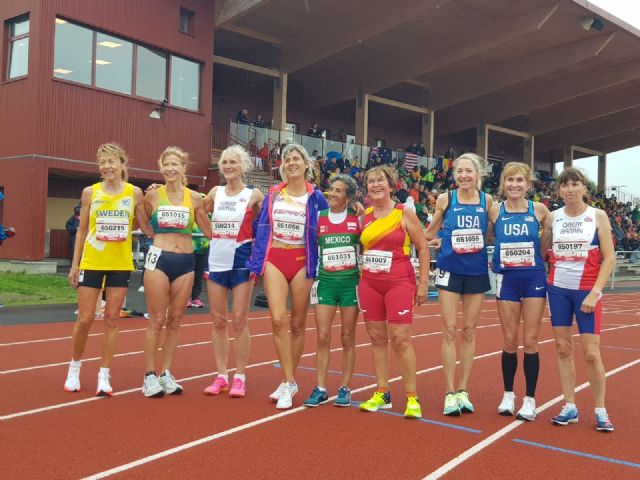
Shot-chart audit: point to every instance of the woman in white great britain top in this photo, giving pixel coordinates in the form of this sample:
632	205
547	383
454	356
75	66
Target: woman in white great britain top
234	207
169	265
582	259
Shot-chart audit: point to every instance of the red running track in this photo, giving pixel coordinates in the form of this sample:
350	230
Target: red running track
48	433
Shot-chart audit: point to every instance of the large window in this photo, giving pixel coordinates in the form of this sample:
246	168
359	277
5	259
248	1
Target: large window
114	63
151	74
72	57
94	58
185	83
18	58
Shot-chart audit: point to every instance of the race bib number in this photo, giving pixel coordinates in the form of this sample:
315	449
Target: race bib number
313	295
467	240
377	261
337	259
571	250
442	278
223	229
170	216
517	255
290	231
153	255
110	229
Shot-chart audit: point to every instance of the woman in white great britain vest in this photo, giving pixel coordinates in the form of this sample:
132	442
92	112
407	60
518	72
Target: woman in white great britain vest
520	282
169	265
285	253
460	222
582	259
234	206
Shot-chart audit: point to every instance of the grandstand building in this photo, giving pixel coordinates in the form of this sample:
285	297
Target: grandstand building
535	80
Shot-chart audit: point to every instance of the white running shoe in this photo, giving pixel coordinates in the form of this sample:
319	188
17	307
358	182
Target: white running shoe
507	405
152	387
72	384
169	384
104	387
275	396
286	397
528	410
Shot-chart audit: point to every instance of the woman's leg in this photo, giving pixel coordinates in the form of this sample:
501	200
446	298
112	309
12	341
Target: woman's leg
566	366
471	305
179	294
220	339
595	368
509	313
400	336
349	318
379	335
87	298
156	291
239	324
300	288
115	300
448	309
324	319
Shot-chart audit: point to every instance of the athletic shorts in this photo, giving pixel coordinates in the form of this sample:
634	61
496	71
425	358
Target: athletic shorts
288	260
338	291
106	278
514	285
462	284
174	265
391	300
231	278
564	303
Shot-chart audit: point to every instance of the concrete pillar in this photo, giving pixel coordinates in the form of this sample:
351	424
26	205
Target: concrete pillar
567	156
280	103
602	173
529	152
362	117
482	141
427	132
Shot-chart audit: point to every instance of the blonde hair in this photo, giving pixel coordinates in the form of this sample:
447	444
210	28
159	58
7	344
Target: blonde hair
515	168
118	152
479	164
386	171
308	172
178	152
242	155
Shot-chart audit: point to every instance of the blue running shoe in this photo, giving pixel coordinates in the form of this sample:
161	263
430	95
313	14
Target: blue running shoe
566	416
344	397
603	424
317	398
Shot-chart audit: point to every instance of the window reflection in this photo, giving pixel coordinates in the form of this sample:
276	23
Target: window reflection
185	83
114	63
73	52
151	74
18	47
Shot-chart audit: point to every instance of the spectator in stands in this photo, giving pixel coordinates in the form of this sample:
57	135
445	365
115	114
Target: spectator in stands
385	153
72	228
242	117
263	155
421	150
430	178
314	131
259	122
635	215
451	154
415	193
618	233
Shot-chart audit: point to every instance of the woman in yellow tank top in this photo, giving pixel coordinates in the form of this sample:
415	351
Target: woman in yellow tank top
168	277
104	243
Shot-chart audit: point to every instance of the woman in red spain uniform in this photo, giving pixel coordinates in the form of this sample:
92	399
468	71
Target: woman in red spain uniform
387	290
104	244
169	265
582	259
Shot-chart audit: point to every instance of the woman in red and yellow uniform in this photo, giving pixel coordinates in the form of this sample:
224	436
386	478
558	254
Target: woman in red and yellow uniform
387	290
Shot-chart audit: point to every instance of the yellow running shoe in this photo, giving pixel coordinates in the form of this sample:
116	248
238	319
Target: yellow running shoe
413	409
379	401
465	406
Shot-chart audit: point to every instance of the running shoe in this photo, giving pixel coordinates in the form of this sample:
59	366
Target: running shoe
528	410
152	387
507	405
238	388
218	385
344	397
603	424
278	391
379	401
72	384
197	303
169	384
451	407
462	397
286	396
566	416
190	304
104	387
413	409
317	398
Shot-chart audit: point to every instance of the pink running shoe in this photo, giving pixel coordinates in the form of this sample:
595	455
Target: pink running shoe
237	388
218	385
197	303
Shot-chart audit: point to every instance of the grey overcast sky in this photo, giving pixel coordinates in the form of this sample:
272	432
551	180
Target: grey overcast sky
623	167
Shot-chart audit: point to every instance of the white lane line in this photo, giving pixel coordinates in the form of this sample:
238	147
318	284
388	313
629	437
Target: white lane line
246	426
187	379
478	447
